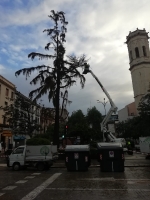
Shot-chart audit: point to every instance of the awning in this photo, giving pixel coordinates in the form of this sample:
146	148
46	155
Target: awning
19	137
7	133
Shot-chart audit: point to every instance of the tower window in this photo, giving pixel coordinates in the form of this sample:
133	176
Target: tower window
144	50
131	57
137	52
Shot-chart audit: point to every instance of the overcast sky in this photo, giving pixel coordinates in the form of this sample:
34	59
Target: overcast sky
96	28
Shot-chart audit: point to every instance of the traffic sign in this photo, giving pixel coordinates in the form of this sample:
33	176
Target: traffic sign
111	154
76	156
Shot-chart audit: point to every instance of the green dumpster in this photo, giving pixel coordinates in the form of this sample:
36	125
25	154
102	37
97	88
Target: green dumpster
77	157
111	157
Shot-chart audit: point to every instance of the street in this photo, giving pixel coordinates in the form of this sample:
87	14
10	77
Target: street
57	183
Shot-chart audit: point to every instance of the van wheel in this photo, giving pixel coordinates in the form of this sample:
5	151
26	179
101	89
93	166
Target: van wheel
40	166
16	166
47	166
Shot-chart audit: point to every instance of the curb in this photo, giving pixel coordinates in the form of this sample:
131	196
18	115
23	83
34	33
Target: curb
92	166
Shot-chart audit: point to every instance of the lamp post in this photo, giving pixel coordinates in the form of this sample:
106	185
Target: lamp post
104	104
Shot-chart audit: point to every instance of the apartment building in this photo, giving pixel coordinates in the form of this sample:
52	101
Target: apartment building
9	137
7	97
30	114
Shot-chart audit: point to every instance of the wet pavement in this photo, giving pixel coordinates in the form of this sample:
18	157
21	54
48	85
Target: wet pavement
57	183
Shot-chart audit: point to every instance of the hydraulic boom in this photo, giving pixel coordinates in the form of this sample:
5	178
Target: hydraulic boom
113	109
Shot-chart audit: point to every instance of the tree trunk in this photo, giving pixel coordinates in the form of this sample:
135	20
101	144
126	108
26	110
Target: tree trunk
56	128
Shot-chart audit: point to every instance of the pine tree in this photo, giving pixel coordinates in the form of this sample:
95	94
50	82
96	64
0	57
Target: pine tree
61	75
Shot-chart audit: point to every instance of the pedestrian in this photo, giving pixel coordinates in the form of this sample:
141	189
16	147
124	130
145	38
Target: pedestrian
4	146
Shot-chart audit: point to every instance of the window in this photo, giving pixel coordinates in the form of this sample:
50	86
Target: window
4	120
19	150
144	50
32	108
137	52
12	95
131	57
37	111
7	92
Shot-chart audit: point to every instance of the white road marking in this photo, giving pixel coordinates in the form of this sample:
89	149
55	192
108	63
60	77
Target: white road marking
34	193
9	188
98	179
36	174
1	194
3	165
132	179
93	189
131	182
22	181
111	179
29	177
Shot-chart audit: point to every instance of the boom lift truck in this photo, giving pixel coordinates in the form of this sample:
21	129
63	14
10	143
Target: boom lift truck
107	135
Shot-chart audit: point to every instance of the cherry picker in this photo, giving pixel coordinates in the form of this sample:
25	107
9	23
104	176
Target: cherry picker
107	135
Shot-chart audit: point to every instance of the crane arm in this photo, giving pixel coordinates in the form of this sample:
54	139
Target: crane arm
113	108
104	90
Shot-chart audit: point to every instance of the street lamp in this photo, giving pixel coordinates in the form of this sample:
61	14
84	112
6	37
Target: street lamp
104	104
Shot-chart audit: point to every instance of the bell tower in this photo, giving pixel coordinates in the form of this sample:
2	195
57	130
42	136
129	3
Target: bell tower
139	60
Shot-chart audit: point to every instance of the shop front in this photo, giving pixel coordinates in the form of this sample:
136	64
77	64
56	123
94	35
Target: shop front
19	140
6	139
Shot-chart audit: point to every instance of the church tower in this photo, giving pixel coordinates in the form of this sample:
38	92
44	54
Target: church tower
139	57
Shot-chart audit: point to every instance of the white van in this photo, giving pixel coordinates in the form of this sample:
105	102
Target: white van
39	156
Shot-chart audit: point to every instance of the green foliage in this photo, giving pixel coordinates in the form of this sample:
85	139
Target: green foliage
94	118
45	135
144	112
129	128
38	141
79	125
77	121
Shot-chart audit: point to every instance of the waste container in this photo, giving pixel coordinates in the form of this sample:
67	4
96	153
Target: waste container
111	157
77	157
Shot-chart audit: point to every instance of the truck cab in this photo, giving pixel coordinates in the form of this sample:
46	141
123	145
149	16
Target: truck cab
17	158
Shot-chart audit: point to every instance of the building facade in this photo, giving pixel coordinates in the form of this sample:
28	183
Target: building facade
139	57
47	117
9	137
128	112
7	97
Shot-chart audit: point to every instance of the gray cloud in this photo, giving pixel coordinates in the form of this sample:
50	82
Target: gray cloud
97	29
